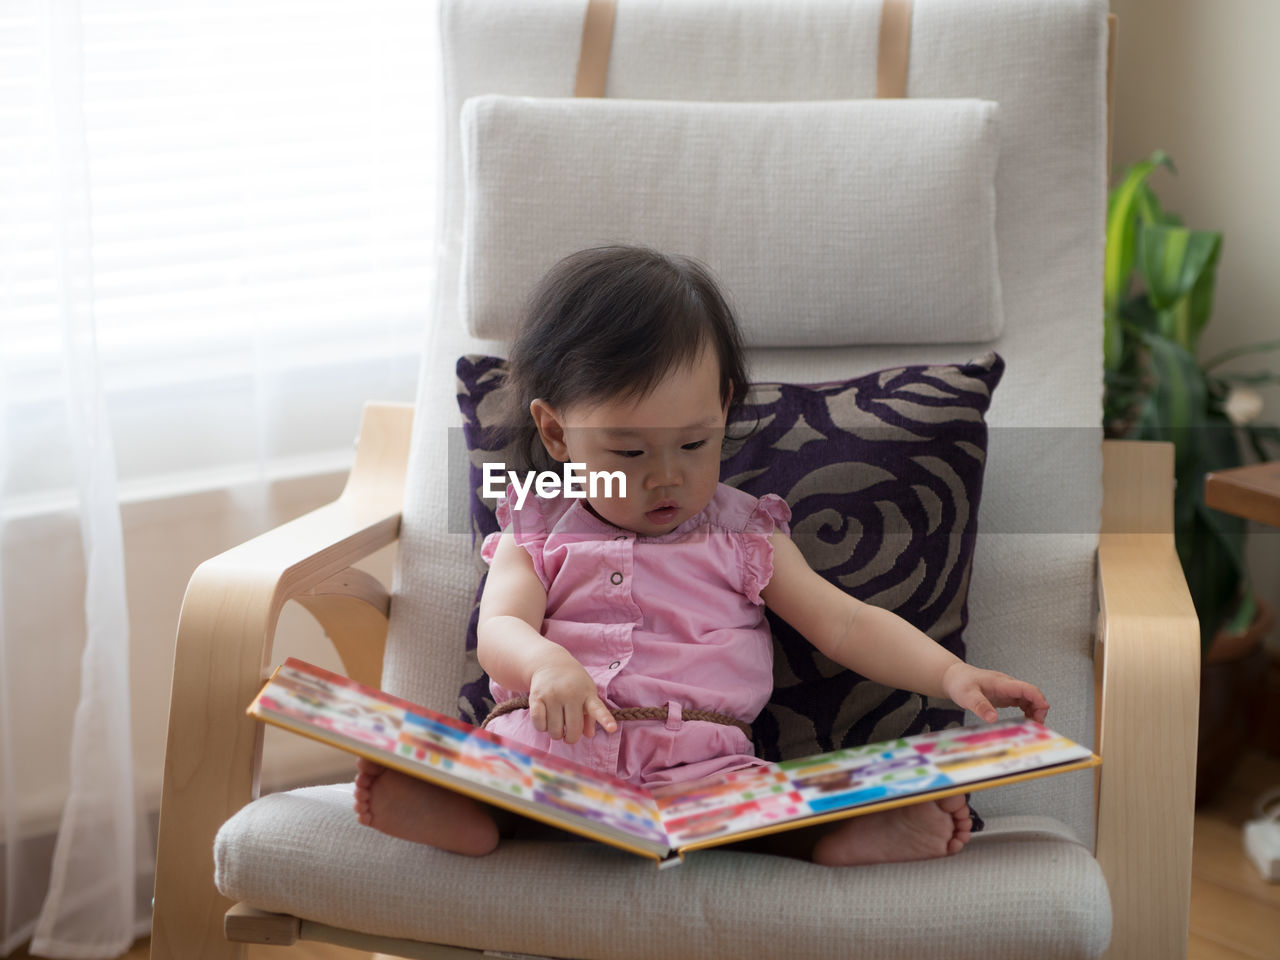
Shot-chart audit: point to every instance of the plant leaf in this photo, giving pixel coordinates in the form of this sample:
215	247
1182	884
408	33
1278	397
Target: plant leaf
1123	211
1112	341
1178	267
1198	304
1261	346
1249	377
1149	209
1137	316
1212	544
1178	400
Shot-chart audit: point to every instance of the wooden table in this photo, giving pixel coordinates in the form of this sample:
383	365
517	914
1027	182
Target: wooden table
1252	492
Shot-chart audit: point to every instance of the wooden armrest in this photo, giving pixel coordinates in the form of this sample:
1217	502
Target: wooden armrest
1149	657
225	633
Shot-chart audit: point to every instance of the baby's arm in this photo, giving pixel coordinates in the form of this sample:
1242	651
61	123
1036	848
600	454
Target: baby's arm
562	696
882	646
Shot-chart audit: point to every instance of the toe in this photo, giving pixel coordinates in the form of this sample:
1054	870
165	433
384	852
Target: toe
365	765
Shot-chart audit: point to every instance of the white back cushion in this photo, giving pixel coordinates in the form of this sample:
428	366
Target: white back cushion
827	222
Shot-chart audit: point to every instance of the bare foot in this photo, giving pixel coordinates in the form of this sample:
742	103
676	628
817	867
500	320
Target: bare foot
921	831
413	809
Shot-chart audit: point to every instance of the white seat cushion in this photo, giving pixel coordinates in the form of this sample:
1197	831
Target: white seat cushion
1023	889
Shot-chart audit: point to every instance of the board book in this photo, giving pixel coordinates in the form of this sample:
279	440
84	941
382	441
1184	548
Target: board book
665	822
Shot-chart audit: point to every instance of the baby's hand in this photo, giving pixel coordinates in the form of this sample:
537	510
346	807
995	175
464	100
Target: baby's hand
983	690
564	703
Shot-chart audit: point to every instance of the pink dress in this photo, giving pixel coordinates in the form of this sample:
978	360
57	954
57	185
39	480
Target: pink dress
674	621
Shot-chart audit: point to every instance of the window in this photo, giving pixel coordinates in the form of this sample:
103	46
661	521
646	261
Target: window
254	188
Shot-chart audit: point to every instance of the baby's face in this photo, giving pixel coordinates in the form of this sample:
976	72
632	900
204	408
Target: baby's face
667	445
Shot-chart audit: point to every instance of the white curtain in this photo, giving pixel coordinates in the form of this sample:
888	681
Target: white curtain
216	223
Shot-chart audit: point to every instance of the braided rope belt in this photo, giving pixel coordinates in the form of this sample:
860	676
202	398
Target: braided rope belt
630	713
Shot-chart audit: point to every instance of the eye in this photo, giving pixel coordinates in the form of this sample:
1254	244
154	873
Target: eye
694	445
627	453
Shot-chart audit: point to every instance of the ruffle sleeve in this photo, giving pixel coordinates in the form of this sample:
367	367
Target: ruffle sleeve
769	514
527	524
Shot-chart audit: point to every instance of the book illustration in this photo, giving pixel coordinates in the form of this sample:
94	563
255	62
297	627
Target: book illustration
676	817
595	801
856	777
317	700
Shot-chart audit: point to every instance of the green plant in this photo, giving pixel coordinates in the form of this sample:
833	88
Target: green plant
1157	389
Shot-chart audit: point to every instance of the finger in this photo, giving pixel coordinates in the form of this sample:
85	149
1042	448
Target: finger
572	725
983	708
1027	698
1041	703
538	714
597	709
1010	692
1034	705
555	721
1006	691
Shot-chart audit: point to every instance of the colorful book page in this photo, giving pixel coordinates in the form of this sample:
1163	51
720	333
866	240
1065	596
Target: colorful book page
420	737
629	810
747	800
431	743
323	702
968	755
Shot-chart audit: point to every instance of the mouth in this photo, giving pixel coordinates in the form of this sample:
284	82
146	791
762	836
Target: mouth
663	513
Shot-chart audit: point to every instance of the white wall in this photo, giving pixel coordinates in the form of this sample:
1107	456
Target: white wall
1201	80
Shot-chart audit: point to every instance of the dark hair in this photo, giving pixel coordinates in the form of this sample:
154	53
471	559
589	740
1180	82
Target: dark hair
611	322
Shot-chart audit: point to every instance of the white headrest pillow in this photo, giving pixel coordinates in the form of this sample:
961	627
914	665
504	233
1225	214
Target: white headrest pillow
827	222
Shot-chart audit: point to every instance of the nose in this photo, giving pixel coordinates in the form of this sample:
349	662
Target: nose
665	473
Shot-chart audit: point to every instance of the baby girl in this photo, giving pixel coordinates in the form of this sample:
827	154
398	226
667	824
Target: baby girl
652	590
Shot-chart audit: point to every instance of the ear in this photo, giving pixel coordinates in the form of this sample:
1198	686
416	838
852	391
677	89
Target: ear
550	429
724	408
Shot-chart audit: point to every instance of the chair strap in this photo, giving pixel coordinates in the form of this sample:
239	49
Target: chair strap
895	48
892	59
597	39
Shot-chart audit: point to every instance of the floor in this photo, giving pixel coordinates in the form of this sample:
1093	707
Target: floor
1235	915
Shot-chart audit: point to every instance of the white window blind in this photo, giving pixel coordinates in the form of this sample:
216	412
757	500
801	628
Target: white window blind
261	186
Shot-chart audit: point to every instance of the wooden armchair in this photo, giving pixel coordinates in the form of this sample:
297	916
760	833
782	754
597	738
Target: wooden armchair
1112	862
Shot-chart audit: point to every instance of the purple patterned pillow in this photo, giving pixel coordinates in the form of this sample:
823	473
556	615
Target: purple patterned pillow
883	474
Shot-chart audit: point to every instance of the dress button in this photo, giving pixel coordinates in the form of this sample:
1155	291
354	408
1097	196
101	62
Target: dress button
615	665
615	578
